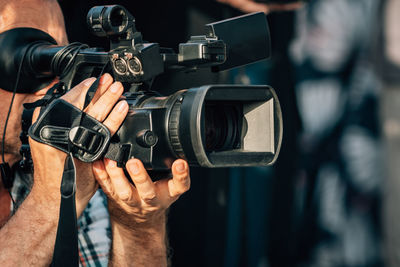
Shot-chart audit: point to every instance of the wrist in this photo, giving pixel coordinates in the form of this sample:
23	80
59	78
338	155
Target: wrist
136	220
48	204
136	244
154	225
148	233
82	202
47	182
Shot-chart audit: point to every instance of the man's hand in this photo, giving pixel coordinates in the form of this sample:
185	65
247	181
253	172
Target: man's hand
248	6
137	211
143	203
28	237
49	161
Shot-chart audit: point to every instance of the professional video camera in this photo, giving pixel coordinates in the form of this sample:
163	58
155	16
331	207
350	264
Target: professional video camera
209	126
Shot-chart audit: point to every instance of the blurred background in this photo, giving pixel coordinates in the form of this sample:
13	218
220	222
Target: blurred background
333	197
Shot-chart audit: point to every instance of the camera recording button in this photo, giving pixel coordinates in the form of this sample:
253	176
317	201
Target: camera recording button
147	138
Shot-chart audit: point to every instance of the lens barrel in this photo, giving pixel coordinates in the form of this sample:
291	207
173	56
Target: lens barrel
209	126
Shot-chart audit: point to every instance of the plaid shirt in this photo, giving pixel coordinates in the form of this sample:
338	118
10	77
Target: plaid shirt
94	232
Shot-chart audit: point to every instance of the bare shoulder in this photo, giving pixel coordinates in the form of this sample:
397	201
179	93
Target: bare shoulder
45	15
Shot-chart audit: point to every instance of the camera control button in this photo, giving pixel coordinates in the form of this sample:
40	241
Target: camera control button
147	138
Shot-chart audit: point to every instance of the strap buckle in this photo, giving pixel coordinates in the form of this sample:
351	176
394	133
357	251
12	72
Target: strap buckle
88	140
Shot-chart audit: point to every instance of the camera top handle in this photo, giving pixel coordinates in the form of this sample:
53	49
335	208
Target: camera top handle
132	61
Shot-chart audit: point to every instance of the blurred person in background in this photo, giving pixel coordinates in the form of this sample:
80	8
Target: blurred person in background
339	183
387	58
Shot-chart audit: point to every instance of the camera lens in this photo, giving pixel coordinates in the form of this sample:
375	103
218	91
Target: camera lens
222	127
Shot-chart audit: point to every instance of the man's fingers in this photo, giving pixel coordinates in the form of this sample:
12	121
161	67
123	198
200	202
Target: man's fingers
116	117
105	81
76	95
100	109
102	177
144	185
121	186
180	182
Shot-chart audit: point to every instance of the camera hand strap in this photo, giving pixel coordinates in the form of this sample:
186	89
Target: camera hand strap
69	129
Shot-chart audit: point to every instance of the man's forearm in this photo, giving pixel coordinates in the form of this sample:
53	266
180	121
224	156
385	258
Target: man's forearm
27	239
139	246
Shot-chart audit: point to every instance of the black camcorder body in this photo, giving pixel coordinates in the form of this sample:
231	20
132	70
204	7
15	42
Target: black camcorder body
209	126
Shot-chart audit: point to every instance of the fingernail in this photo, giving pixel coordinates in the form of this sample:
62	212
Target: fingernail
134	168
122	105
105	78
89	81
115	88
180	167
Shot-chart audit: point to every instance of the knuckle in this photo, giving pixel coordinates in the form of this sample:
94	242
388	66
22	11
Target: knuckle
101	175
99	111
186	187
183	180
93	113
114	173
114	121
149	197
182	190
125	196
176	194
139	179
108	190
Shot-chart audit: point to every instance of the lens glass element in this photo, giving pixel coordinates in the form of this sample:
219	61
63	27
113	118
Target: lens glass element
222	126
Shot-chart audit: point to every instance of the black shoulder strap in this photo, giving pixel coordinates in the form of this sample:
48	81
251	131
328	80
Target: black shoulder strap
66	252
6	177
